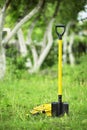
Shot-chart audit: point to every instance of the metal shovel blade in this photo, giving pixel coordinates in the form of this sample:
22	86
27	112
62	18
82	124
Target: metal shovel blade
59	108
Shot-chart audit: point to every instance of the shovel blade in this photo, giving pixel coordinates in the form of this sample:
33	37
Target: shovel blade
59	108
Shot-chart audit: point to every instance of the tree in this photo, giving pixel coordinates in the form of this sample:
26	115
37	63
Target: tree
30	11
46	42
15	29
70	19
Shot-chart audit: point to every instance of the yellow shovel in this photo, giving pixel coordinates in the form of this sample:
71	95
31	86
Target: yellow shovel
59	108
55	108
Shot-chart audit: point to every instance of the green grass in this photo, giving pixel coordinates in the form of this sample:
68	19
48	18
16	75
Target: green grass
19	96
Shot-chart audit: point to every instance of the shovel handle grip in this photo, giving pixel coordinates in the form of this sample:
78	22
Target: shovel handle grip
63	31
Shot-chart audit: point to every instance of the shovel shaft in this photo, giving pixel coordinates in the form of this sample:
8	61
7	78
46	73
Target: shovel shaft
60	67
60	34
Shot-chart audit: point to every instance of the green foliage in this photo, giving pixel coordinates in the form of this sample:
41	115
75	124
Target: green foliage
79	46
20	62
52	57
17	66
11	51
18	9
82	39
50	8
15	62
69	13
1	3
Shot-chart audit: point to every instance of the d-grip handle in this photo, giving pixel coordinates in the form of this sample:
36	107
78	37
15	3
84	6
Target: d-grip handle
63	31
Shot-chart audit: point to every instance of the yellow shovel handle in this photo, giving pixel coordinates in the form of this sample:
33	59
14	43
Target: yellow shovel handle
60	67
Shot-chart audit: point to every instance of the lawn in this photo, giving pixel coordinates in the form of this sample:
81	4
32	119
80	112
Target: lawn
18	96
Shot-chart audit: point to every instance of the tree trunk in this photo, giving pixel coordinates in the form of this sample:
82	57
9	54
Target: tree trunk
43	43
65	43
22	45
2	52
22	48
71	56
47	48
30	42
2	63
